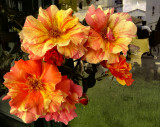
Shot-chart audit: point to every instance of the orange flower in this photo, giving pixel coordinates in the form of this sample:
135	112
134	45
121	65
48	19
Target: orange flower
120	70
32	91
109	35
37	89
54	28
67	111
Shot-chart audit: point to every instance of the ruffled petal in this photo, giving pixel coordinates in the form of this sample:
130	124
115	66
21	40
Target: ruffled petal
109	12
34	31
65	20
64	116
74	88
114	19
72	51
52	10
93	56
50	74
34	103
26	116
19	93
96	18
44	18
52	98
39	50
121	81
57	98
125	29
47	17
15	75
30	66
64	85
95	40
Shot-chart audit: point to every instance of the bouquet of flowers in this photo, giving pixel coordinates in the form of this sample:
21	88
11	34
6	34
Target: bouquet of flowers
48	84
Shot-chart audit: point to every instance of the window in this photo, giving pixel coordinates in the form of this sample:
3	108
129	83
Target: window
151	27
153	8
118	1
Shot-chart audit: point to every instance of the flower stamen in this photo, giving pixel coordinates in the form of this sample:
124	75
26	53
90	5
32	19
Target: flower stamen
34	83
54	33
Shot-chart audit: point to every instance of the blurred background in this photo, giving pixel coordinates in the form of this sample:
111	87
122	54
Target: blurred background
110	104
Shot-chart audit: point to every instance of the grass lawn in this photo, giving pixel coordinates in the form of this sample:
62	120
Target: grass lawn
113	105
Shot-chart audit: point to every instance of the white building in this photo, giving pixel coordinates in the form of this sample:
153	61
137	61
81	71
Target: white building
130	5
105	4
117	4
138	13
152	13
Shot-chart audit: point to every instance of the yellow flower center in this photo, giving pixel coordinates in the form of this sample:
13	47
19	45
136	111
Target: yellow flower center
34	83
54	33
107	34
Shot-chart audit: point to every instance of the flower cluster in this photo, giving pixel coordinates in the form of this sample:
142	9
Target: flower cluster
37	88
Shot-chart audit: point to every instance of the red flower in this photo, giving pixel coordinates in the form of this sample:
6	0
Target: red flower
120	70
84	99
53	57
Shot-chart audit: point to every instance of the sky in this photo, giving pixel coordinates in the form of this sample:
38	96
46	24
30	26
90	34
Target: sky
129	5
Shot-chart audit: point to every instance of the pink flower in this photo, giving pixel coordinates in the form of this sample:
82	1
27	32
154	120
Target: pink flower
109	35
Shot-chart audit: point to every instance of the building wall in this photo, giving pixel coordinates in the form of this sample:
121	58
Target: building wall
104	4
152	12
138	13
129	5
